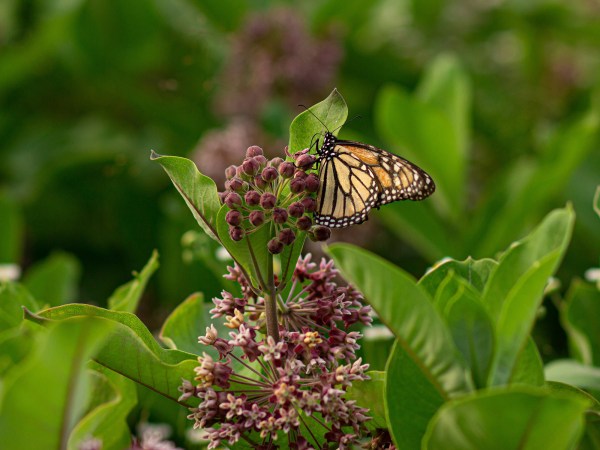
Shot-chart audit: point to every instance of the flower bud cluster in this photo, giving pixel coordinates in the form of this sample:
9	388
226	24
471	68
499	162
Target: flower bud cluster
281	192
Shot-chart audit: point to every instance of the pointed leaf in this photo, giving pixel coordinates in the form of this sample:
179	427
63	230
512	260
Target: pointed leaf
183	326
289	258
332	111
131	350
43	397
198	191
514	291
516	419
127	297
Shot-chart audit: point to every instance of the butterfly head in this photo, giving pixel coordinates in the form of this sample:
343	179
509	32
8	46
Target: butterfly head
329	143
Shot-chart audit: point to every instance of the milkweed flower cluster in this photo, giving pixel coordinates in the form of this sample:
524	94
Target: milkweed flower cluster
282	192
262	391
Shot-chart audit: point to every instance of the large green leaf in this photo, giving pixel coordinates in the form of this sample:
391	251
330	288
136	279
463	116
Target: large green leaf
529	368
132	351
185	323
332	112
13	297
198	191
514	290
371	394
581	319
112	400
475	272
126	297
424	369
519	419
54	280
43	397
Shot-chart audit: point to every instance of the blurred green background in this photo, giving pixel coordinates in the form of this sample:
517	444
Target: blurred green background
498	100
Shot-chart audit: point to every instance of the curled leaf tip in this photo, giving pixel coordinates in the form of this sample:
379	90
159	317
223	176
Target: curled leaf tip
154	155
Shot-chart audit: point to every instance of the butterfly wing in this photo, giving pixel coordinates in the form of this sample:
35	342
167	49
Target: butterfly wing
397	178
347	191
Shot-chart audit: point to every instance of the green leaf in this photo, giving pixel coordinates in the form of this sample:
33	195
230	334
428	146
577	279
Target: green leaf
132	351
371	394
529	368
424	369
573	372
183	326
332	111
514	290
54	280
43	397
113	399
581	318
198	191
516	419
251	252
126	297
13	296
475	272
406	124
289	258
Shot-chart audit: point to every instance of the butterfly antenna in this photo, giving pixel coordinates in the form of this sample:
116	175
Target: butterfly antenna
315	116
346	123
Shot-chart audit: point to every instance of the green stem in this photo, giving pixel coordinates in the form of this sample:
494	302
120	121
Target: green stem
271	303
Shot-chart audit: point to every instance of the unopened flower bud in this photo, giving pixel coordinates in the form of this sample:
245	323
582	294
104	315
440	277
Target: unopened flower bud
275	246
252	198
261	160
297	185
276	162
309	203
233	217
304	223
233	200
235	184
269	173
259	182
254	150
268	200
320	233
300	174
312	183
286	169
230	172
236	233
305	161
250	166
222	196
257	218
296	209
287	236
280	215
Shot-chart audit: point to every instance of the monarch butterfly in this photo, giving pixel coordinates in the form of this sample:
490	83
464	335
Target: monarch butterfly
355	177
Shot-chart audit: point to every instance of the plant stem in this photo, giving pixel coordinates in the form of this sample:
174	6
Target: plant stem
271	303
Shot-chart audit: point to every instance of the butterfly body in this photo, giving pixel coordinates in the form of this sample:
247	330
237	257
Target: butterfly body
356	177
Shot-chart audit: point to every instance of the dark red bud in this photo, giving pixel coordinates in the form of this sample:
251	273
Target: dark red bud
222	196
296	209
235	184
233	200
275	246
287	236
286	169
230	172
276	162
309	203
305	161
254	150
259	182
236	233
280	215
233	218
297	185
320	233
261	160
304	223
252	198
267	200
250	166
300	174
269	173
257	218
312	183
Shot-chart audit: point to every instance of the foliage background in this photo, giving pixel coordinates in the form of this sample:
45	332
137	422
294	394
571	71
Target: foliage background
88	87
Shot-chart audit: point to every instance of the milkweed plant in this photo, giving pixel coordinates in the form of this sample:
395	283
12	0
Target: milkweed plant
280	359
